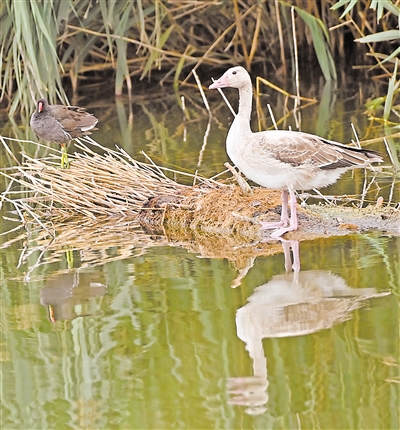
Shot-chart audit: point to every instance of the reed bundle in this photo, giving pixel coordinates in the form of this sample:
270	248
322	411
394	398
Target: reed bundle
114	185
108	198
111	184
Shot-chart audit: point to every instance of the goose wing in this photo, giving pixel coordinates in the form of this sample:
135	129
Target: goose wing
297	149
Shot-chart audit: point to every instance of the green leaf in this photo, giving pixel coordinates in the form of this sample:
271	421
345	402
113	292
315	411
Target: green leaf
320	38
392	55
383	36
380	5
155	54
350	6
375	103
392	88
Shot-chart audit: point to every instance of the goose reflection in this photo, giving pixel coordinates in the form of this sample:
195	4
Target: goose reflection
292	304
64	292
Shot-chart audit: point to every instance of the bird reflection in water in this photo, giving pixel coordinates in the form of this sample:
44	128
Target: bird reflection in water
292	304
65	293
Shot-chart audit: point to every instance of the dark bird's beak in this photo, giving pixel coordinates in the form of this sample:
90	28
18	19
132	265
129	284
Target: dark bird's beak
40	107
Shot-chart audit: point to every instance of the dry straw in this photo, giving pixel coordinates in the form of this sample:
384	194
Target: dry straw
114	185
95	185
107	198
45	43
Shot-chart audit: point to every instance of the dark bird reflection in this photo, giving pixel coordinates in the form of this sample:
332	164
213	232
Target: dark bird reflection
67	295
292	304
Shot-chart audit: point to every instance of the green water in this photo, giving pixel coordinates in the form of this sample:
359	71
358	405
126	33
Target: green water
153	336
151	342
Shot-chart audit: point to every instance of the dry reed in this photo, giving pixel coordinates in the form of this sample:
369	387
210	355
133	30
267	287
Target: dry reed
110	199
45	43
114	185
95	185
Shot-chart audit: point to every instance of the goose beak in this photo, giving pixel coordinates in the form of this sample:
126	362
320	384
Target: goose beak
222	82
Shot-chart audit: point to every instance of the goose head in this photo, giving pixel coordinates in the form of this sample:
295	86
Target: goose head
235	77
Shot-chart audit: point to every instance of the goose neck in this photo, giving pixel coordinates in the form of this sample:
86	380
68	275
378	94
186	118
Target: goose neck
245	101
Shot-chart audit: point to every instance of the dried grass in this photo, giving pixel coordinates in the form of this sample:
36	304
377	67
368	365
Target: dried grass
109	199
114	185
111	184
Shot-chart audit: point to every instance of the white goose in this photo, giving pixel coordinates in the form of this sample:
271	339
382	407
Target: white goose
284	160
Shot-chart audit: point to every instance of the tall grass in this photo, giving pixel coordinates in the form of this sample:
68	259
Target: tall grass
29	65
47	46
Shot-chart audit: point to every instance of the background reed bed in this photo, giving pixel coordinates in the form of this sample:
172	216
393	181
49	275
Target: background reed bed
49	46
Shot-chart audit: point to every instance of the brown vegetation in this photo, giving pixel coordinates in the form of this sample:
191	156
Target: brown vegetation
84	41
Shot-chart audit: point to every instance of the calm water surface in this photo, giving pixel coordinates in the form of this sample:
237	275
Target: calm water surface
151	336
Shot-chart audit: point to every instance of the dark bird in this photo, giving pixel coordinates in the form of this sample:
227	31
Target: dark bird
281	159
60	124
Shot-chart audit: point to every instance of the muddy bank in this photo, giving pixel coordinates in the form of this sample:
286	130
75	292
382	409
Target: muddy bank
112	199
339	220
220	224
228	211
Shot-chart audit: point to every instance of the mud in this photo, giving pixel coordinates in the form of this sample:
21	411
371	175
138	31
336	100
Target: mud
228	211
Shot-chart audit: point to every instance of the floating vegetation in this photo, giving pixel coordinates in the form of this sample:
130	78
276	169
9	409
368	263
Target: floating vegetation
107	199
112	185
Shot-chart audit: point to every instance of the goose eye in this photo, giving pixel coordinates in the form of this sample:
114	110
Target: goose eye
234	72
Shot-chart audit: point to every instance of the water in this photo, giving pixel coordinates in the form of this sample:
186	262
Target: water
136	334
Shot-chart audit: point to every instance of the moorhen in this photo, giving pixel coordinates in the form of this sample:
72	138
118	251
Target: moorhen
281	159
60	124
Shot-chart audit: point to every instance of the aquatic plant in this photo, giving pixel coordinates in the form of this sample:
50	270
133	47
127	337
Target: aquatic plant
46	45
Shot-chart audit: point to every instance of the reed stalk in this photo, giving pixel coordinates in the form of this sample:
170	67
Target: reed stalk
46	45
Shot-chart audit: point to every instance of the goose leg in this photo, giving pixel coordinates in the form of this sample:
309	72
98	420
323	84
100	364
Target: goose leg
284	215
293	217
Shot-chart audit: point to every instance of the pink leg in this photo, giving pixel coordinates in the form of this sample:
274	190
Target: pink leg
293	217
284	215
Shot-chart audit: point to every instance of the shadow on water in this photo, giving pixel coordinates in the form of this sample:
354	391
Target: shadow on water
69	295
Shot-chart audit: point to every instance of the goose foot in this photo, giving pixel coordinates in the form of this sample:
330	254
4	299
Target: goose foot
278	233
292	226
284	215
293	215
267	225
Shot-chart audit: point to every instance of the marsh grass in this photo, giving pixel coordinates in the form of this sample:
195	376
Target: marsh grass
45	45
93	186
108	184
